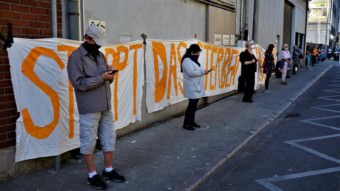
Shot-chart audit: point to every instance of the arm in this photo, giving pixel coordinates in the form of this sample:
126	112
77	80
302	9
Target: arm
192	71
77	76
243	59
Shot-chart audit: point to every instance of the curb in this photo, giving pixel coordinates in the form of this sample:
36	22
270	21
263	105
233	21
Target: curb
245	142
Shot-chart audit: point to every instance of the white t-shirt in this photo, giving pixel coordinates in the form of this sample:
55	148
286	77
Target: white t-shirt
285	54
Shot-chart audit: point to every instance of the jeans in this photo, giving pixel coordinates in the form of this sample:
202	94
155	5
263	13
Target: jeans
189	118
266	83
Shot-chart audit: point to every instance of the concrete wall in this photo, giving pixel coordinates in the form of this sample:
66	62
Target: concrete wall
159	19
270	21
300	15
220	21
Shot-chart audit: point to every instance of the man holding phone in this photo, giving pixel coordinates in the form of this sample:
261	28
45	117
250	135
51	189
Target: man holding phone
91	76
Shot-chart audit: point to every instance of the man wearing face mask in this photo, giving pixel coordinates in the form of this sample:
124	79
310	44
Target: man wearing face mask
91	76
248	69
285	55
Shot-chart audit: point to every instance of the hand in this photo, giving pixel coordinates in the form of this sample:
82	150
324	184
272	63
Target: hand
207	71
108	76
110	68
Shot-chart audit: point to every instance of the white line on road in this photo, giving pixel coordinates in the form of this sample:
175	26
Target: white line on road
311	121
313	151
267	182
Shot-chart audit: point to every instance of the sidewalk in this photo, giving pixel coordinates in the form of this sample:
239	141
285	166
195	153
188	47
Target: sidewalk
167	157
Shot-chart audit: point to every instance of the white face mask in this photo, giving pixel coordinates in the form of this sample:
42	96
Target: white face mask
252	47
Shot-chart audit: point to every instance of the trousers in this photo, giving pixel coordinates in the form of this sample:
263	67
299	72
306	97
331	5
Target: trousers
249	87
189	118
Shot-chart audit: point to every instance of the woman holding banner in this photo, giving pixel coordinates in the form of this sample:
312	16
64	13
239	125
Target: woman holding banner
193	84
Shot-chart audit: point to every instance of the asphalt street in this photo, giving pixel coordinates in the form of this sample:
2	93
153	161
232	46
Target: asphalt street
297	152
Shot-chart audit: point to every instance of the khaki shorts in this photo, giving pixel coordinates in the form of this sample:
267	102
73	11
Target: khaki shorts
93	125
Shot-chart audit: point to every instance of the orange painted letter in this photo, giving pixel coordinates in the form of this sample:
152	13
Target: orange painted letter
135	47
69	50
28	70
158	50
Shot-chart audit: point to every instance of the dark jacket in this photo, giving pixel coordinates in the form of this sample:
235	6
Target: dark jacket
246	56
84	71
268	65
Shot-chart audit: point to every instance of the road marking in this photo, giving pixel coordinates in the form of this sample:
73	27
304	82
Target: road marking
268	182
324	107
311	121
313	151
332	90
330	98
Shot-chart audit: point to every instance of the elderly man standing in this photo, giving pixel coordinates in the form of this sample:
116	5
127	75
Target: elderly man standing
248	69
91	76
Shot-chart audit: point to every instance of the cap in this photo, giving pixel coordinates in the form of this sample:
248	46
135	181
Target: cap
97	33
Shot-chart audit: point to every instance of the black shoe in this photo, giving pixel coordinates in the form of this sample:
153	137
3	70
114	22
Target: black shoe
97	181
196	125
188	127
247	100
284	83
113	176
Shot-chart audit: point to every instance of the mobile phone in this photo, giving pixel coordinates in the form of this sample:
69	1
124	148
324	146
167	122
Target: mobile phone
210	70
114	71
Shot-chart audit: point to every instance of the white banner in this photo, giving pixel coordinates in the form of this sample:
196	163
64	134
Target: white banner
164	80
48	123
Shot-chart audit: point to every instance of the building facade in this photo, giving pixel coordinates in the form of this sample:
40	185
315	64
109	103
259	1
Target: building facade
323	23
274	21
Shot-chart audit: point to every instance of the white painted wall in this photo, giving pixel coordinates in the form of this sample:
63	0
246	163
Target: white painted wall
220	22
159	19
300	15
269	21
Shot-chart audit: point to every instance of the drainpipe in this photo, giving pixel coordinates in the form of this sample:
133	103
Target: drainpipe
64	8
207	34
254	21
55	35
82	19
54	18
306	24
